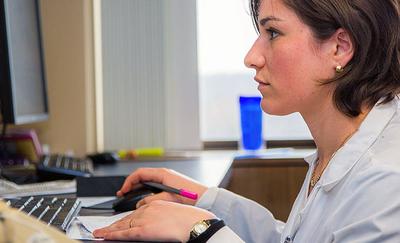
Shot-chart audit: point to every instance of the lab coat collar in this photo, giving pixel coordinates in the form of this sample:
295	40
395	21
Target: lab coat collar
348	155
310	159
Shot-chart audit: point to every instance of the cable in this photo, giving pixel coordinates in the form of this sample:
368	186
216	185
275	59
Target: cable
3	149
4	129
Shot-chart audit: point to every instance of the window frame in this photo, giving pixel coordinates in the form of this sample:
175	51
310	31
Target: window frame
229	145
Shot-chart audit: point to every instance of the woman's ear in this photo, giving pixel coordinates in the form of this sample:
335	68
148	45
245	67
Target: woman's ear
344	47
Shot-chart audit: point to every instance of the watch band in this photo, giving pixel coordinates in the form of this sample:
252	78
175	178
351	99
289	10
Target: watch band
215	225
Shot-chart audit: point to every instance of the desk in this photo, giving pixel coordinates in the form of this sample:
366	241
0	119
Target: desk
209	168
279	175
212	168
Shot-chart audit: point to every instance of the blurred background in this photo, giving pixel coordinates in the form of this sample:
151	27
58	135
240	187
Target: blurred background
146	73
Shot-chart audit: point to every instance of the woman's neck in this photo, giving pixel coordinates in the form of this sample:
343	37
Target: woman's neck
331	129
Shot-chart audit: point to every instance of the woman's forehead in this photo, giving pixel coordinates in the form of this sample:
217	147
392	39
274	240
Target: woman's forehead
276	9
270	5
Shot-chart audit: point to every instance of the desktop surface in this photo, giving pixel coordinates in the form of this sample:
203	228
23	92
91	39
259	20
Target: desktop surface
207	170
210	169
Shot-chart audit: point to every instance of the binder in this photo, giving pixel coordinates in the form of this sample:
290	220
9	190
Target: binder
16	226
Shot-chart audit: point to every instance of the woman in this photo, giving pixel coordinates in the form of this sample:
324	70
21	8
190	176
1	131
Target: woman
337	63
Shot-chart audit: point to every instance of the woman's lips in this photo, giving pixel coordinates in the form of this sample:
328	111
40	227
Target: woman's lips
262	86
261	82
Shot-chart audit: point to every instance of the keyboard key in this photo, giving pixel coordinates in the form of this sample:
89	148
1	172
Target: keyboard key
55	211
56	166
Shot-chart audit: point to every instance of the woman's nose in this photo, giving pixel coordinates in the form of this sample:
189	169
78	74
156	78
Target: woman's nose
254	58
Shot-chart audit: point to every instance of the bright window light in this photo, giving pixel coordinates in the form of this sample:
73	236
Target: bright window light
225	33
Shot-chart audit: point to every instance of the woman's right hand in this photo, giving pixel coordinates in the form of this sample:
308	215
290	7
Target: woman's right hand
166	177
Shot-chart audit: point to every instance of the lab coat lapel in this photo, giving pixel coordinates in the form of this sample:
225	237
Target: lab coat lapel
347	156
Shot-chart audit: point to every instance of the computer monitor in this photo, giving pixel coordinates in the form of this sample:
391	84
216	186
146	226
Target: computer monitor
23	93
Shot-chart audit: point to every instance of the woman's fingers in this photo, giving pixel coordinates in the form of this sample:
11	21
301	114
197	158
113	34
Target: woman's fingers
124	223
150	221
121	225
118	226
159	196
126	234
166	177
142	174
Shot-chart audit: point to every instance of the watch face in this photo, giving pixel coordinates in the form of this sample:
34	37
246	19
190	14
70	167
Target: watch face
200	227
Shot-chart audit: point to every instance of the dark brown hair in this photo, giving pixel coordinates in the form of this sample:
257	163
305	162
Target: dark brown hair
374	26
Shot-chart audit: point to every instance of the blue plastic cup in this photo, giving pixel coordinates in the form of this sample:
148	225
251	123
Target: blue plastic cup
251	122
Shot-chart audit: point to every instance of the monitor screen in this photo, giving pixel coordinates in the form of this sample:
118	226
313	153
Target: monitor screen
22	76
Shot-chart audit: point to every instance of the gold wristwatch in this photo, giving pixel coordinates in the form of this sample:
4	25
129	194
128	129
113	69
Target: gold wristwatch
201	226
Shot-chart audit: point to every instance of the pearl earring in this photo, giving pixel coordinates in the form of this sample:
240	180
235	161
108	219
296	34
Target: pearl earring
339	69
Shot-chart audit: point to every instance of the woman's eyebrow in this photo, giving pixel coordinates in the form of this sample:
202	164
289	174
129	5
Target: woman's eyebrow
263	21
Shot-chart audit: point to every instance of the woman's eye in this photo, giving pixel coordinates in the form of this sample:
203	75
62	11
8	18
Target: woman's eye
272	33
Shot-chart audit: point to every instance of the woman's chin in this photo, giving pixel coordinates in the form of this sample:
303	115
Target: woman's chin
271	109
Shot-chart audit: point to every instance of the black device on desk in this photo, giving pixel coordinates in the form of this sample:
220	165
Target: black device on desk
58	167
55	211
129	200
104	158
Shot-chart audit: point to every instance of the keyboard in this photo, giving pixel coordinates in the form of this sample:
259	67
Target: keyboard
60	167
11	189
56	211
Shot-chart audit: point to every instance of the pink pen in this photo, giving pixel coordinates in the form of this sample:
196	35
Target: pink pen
182	192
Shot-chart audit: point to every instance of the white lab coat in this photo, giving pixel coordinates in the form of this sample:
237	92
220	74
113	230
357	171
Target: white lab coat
357	198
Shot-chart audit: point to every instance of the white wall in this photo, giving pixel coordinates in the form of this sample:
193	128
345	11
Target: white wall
68	48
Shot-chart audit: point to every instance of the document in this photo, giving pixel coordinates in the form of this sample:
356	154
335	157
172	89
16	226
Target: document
9	189
83	226
93	201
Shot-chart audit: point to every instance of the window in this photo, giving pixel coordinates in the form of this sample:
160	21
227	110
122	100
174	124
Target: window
225	33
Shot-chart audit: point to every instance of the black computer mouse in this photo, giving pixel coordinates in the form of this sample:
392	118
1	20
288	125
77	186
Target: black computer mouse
129	200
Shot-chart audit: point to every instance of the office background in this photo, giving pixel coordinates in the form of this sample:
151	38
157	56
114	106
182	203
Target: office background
93	103
127	74
123	74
